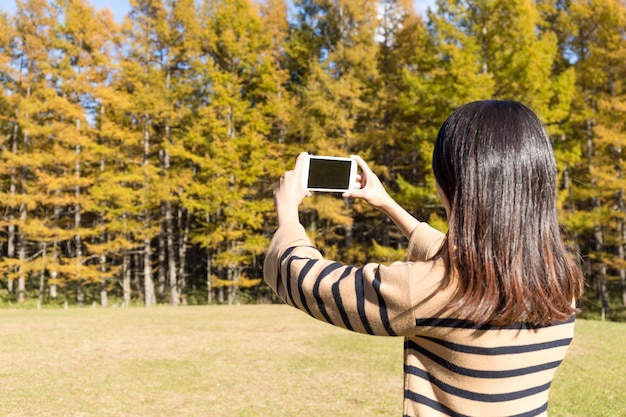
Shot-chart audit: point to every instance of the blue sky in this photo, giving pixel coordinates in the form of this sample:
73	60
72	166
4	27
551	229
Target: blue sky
120	7
422	5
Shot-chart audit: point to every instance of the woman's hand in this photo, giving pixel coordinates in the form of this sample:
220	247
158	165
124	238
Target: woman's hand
289	193
369	187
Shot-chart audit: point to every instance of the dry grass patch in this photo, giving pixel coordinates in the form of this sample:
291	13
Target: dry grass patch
194	361
220	361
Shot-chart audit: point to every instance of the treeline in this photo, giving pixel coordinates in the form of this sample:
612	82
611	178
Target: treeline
138	160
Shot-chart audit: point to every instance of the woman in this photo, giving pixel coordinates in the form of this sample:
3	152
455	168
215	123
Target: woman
487	310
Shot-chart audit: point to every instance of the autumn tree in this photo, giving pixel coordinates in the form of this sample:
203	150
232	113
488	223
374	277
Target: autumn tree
237	109
139	160
333	54
599	50
30	96
146	119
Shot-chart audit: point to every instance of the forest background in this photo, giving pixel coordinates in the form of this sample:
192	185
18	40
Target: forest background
138	160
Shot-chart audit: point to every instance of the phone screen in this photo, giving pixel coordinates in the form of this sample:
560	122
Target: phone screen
331	174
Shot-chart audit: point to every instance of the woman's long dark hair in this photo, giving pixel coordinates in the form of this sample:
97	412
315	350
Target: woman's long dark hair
494	162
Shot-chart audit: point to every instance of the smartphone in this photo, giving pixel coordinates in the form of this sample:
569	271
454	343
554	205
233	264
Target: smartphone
328	173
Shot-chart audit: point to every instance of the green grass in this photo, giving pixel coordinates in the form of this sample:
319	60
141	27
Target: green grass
591	380
243	361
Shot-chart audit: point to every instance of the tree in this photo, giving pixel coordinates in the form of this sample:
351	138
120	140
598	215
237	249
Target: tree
238	77
140	161
143	79
599	48
30	96
332	57
82	52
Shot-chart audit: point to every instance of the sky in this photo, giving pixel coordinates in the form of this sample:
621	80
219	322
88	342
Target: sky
422	5
120	7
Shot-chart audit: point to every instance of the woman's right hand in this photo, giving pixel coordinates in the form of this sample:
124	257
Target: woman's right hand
289	193
369	187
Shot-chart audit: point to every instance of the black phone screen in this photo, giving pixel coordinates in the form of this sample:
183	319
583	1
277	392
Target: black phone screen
329	174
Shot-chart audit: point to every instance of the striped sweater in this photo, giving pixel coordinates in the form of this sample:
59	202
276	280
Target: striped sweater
452	367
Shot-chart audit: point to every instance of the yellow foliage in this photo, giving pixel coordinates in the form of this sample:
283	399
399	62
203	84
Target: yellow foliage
242	282
385	254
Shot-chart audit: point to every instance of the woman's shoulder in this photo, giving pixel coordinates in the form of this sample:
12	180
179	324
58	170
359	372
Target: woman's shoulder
425	242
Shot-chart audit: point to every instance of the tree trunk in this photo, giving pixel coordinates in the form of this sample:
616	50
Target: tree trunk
149	294
621	205
141	294
21	254
171	252
126	279
172	270
53	269
161	275
623	285
348	240
209	283
42	276
622	257
602	289
12	230
183	238
148	283
104	299
601	278
231	288
80	292
80	296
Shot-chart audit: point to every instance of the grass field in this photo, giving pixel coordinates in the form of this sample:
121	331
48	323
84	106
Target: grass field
264	361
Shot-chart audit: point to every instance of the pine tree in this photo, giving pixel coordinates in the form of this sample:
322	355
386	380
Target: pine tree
147	156
85	43
9	128
441	68
31	97
599	48
231	135
334	73
80	53
181	39
410	70
280	107
144	118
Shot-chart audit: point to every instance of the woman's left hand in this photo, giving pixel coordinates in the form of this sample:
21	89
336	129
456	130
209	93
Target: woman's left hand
289	193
